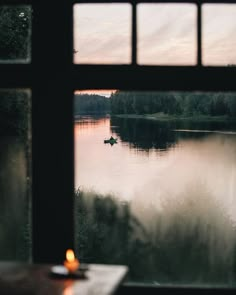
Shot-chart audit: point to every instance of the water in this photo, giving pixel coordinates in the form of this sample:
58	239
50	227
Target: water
178	180
155	159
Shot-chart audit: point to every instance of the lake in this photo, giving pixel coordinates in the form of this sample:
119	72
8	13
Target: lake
178	179
154	160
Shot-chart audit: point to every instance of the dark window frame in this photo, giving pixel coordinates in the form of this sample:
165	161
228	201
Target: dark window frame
53	77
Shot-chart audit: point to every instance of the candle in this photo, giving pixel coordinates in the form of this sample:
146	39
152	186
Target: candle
71	263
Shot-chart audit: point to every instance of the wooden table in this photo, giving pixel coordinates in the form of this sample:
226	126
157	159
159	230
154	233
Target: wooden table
33	279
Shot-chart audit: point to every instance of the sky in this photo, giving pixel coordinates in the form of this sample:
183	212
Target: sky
102	92
166	34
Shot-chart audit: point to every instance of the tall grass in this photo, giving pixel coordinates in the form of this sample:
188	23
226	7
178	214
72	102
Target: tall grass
189	240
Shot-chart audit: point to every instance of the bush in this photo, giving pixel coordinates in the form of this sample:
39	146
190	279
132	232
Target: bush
187	241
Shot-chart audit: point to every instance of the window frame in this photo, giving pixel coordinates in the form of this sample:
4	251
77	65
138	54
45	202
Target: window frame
53	78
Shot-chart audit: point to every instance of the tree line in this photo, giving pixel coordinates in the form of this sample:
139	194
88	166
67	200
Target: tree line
91	104
174	103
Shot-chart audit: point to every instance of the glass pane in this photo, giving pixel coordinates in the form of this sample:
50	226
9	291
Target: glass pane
15	175
219	34
15	33
167	34
159	196
102	33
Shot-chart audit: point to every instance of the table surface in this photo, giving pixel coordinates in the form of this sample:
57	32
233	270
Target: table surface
35	279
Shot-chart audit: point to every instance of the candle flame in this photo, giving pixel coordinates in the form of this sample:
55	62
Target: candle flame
70	256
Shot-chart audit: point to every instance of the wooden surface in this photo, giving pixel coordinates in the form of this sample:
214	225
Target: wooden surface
25	279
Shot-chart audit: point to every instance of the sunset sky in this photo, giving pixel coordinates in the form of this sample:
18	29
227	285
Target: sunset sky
166	34
102	92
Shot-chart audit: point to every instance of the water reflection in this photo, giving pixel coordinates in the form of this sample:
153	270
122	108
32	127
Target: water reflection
147	134
143	134
170	207
150	156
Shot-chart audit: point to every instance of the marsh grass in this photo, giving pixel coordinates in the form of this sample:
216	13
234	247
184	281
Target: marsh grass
189	240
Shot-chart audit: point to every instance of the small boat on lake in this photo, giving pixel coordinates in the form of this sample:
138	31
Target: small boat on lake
111	140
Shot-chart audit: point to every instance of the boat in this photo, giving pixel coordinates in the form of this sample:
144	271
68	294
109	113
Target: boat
111	140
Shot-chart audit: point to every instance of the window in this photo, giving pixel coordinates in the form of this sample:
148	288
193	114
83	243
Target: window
15	138
155	181
53	78
102	33
218	49
166	40
15	30
15	175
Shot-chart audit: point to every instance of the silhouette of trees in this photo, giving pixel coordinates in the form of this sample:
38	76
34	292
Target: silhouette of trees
174	103
91	104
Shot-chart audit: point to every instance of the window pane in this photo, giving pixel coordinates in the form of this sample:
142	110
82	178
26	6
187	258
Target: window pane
167	34
159	196
15	34
219	34
15	175
102	33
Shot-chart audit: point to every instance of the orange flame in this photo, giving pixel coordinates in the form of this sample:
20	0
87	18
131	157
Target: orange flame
71	263
70	256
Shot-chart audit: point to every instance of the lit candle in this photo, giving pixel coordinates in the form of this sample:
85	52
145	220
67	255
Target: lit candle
71	263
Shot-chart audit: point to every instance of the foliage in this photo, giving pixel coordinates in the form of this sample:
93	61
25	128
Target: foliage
192	241
174	103
15	22
91	104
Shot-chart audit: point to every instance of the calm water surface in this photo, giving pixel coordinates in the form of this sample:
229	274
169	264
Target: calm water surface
179	181
155	161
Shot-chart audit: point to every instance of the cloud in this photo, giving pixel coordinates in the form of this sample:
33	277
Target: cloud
167	33
104	36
